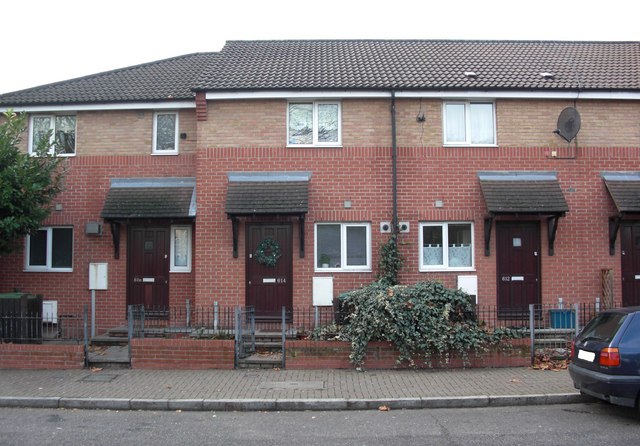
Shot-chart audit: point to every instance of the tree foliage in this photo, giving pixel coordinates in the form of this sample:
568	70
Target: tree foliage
28	184
423	321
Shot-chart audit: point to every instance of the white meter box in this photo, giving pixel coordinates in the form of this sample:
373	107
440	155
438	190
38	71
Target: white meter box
98	276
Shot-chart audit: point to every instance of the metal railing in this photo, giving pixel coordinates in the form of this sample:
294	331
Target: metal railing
213	321
245	333
550	328
31	328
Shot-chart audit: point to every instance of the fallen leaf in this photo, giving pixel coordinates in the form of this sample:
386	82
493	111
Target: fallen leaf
96	369
384	408
167	387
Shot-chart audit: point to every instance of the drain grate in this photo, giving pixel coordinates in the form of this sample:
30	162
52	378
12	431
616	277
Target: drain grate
99	378
291	385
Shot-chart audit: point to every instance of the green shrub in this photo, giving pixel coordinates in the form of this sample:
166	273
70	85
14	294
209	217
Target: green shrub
390	262
422	321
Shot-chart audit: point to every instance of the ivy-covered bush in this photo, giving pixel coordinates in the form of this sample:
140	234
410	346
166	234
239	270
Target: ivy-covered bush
425	321
390	262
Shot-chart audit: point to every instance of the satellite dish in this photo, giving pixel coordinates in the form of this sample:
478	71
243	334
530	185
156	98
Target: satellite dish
568	124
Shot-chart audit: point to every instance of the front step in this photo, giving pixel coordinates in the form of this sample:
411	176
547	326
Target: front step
107	340
261	361
108	357
268	351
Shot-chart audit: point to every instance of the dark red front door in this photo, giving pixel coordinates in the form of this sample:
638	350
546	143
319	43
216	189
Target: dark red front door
269	288
630	244
148	269
518	262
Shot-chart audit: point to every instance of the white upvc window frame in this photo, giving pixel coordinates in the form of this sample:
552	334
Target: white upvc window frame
176	142
444	225
49	252
181	268
315	105
467	122
52	127
343	248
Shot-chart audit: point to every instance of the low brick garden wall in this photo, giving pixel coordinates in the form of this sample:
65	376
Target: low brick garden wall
186	354
201	354
41	356
305	354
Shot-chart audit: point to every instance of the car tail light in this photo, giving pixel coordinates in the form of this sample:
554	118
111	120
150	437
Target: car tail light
610	357
573	348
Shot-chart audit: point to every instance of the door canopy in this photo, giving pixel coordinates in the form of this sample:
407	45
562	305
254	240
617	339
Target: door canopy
136	198
523	194
624	188
267	193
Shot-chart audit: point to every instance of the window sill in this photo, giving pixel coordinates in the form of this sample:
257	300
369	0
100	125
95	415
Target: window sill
446	270
180	271
165	153
61	155
341	270
290	146
466	146
48	270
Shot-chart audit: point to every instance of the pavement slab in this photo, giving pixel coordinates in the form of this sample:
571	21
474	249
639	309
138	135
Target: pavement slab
283	389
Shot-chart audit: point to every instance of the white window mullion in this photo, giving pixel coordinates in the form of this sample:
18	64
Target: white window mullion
467	125
445	245
315	124
343	246
49	248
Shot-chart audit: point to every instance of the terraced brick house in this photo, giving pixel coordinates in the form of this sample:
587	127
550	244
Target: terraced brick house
270	173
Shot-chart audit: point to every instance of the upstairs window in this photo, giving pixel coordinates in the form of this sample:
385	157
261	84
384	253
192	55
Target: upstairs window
50	249
165	133
60	129
314	124
343	246
469	124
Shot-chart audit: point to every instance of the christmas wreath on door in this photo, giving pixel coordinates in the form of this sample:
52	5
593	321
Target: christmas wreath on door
268	252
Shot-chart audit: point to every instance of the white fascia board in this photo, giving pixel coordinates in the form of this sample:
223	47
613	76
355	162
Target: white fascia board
103	106
514	94
439	94
311	94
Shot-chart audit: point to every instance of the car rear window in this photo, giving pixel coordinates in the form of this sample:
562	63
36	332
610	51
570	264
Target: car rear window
603	327
631	338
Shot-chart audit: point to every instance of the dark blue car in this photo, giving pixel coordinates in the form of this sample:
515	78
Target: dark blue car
606	357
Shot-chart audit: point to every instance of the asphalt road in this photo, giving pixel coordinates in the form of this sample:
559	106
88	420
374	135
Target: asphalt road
584	424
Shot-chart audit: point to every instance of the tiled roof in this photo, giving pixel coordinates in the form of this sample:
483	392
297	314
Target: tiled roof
522	193
163	80
356	64
150	198
424	64
267	193
624	188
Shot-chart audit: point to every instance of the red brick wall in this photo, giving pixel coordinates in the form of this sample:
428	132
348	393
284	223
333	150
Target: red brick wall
362	175
189	354
86	187
359	172
45	356
581	247
359	175
382	355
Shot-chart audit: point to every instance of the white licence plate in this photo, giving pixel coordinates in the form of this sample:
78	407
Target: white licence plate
586	356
